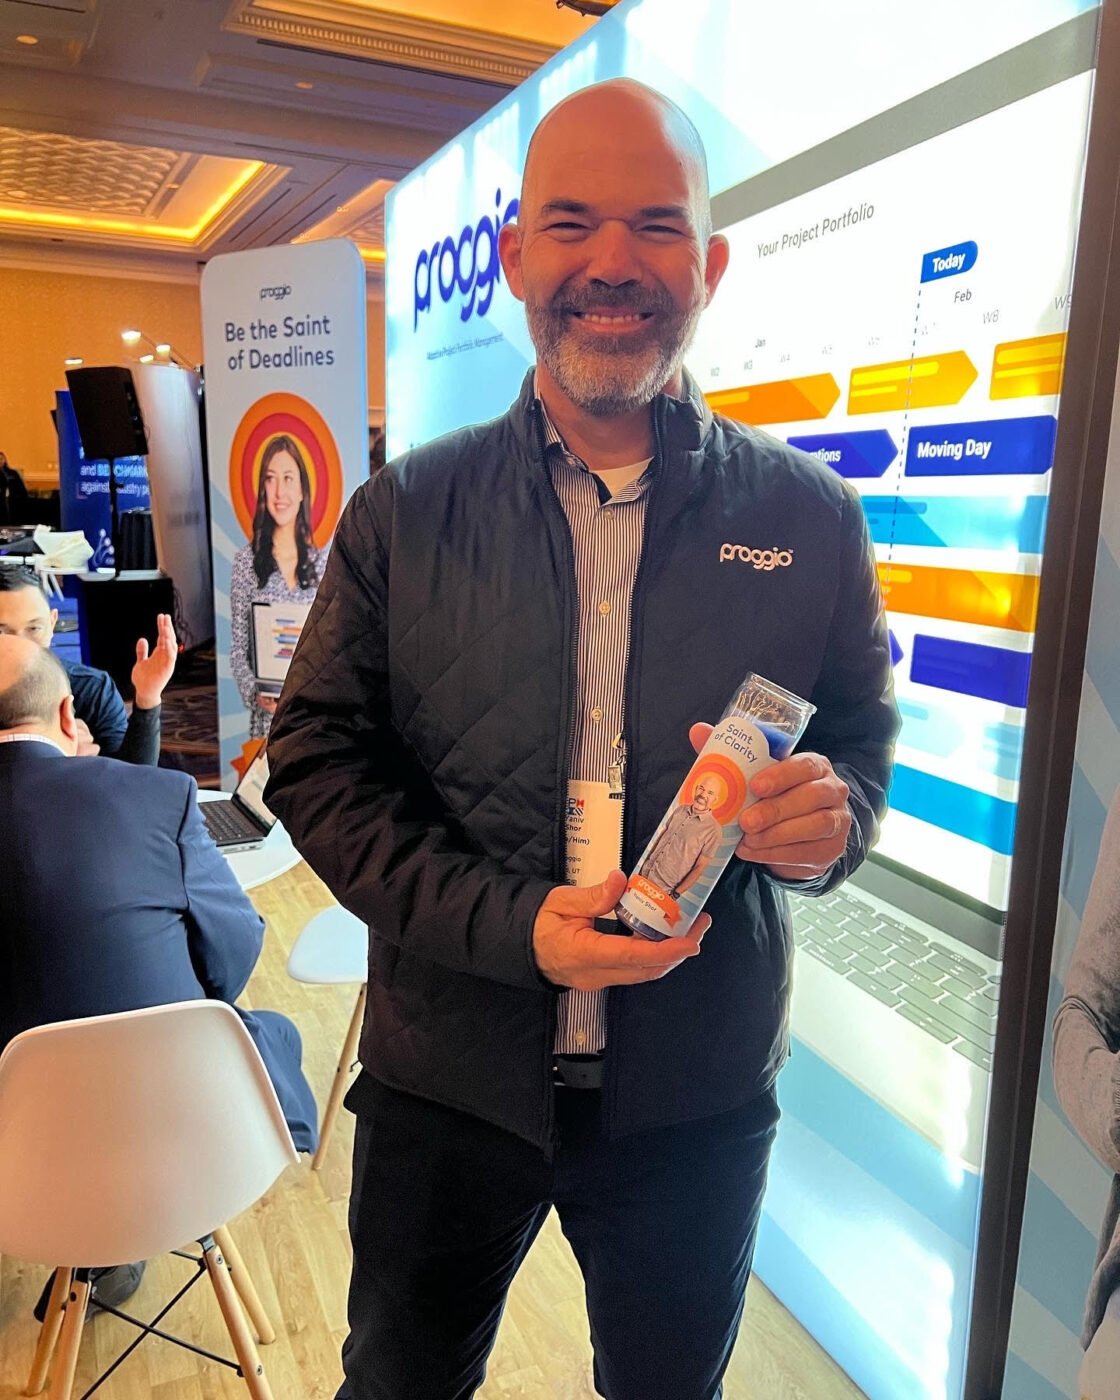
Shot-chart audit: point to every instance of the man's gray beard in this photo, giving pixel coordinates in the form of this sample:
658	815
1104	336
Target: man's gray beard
613	380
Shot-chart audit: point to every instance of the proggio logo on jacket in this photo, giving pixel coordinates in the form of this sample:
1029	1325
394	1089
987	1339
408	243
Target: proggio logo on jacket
767	559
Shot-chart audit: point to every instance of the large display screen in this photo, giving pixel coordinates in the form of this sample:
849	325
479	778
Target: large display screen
905	323
902	218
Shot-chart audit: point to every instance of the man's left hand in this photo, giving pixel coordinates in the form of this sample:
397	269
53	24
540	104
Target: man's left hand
88	747
798	828
152	672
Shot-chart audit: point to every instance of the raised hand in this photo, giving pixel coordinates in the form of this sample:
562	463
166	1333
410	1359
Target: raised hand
152	672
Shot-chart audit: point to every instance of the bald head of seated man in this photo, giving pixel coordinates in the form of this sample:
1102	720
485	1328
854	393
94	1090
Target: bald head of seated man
104	724
149	911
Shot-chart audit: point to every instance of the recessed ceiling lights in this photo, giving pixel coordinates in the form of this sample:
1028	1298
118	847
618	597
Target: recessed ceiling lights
146	359
72	361
28	39
305	86
130	337
163	349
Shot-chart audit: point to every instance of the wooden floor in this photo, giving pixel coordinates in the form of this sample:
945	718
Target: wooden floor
294	1243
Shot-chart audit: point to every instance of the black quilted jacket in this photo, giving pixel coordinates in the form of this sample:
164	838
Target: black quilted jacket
418	751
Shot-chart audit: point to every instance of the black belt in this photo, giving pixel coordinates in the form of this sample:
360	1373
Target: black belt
577	1071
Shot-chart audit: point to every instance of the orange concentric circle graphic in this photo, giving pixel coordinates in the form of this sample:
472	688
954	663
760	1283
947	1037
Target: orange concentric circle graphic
729	782
287	414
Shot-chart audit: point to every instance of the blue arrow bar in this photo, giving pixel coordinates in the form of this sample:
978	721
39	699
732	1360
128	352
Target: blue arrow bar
949	262
935	730
958	522
977	816
989	673
996	447
859	454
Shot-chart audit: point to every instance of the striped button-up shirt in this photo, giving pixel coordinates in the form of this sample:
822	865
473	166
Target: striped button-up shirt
607	533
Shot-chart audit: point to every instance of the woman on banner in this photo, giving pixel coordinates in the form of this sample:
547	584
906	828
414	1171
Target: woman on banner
280	564
1087	1078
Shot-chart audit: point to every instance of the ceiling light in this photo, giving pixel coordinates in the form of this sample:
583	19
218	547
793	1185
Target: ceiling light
146	359
72	361
49	219
305	87
131	337
163	349
28	39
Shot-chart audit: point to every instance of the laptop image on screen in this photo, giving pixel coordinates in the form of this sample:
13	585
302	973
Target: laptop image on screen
243	821
897	986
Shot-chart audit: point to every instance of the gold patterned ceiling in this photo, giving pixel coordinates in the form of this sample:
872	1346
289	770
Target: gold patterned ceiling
165	131
147	195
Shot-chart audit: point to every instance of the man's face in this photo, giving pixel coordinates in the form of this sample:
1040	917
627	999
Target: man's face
24	613
610	256
704	795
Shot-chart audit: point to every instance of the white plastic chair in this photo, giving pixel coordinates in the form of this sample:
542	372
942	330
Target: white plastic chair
122	1137
333	948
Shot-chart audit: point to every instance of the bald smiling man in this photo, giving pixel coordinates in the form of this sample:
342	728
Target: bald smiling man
487	715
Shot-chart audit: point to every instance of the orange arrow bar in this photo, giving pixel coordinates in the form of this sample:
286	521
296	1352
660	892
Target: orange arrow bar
1023	368
961	595
930	382
782	401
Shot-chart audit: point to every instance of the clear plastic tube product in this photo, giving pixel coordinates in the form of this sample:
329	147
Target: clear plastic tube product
698	834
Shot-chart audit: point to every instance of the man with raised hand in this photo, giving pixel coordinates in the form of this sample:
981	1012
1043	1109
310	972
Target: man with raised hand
517	627
105	727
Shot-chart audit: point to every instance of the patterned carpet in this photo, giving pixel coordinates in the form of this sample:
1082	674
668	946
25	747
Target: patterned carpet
189	723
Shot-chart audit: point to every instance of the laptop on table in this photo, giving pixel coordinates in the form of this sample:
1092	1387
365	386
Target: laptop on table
243	821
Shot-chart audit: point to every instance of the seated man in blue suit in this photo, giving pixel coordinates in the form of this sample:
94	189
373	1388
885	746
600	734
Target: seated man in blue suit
115	898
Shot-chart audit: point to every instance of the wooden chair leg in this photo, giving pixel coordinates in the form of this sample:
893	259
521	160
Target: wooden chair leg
66	1361
256	1382
48	1333
243	1282
341	1076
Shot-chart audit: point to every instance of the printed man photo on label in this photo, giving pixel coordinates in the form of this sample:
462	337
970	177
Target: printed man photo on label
689	841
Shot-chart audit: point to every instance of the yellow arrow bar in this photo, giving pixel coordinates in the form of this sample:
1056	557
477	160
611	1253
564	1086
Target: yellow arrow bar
1023	368
929	382
961	595
781	401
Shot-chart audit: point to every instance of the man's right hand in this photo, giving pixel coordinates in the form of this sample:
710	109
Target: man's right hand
571	952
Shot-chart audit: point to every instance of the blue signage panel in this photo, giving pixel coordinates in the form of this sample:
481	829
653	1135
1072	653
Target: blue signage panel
84	486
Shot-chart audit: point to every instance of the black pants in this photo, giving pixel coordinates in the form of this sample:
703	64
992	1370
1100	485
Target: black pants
444	1208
